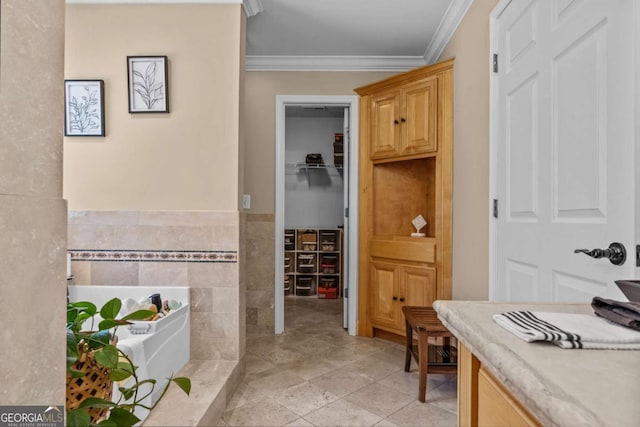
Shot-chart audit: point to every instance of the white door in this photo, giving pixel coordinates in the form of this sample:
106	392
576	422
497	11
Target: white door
562	147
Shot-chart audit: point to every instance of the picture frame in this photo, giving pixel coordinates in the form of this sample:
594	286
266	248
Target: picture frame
148	83
84	108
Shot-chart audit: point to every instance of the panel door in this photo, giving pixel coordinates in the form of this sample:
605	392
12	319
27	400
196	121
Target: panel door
418	286
565	147
385	125
384	293
418	121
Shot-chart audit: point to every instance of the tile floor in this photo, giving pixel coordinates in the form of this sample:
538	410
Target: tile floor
316	375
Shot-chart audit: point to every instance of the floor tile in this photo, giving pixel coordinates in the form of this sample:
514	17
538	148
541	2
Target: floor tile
277	382
263	413
311	367
374	368
300	422
304	398
255	364
342	413
342	381
379	399
316	374
423	414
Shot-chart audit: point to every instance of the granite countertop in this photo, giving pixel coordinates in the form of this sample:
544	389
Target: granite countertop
560	387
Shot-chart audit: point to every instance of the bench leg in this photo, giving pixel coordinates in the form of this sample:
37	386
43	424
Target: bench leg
409	343
424	365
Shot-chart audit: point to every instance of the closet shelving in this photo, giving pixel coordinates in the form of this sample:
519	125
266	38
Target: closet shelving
312	261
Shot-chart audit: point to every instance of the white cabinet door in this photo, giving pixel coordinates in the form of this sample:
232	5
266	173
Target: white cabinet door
563	147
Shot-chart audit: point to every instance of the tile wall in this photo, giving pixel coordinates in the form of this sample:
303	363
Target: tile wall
260	243
199	249
32	211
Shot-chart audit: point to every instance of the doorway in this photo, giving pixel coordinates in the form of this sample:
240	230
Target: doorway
347	173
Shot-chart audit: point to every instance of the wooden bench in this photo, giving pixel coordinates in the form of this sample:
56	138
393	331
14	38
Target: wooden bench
424	321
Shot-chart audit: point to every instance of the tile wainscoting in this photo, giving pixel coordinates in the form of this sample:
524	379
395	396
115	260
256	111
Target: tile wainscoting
260	275
202	250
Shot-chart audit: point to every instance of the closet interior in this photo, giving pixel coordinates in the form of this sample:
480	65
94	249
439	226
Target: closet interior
315	176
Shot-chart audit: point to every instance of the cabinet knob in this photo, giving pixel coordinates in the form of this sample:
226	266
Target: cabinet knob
403	120
395	298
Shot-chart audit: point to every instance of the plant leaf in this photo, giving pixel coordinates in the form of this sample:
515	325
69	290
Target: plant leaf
96	402
85	306
184	383
111	323
122	418
78	418
75	373
119	374
72	313
139	315
107	423
72	348
107	356
127	393
99	339
111	309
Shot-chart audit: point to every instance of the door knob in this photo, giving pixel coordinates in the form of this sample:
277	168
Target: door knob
615	253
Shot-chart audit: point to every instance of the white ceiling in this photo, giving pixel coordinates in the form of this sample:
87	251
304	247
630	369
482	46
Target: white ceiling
389	35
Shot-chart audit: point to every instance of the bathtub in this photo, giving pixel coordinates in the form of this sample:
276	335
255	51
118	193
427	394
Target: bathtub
159	348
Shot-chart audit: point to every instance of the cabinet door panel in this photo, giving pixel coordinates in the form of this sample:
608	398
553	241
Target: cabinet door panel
419	285
385	132
420	111
384	287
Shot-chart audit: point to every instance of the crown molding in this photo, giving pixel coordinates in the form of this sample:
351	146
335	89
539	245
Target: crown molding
331	63
252	7
448	25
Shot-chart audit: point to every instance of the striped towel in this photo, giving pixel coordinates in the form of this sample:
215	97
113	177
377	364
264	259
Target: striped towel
569	330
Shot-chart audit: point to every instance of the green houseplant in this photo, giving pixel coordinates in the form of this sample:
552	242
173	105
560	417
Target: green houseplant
94	362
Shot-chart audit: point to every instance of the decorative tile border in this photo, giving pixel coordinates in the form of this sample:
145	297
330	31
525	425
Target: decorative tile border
152	256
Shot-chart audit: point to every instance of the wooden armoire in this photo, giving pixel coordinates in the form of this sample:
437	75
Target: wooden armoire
405	161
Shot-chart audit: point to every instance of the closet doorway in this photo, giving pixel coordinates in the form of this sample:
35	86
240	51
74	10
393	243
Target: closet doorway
316	196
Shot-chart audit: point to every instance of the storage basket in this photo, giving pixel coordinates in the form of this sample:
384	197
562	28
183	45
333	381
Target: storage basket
307	268
327	293
328	246
328	282
328	268
305	259
308	237
309	246
94	383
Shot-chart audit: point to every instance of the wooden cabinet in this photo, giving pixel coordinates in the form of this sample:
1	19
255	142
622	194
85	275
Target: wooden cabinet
403	121
405	157
394	285
483	400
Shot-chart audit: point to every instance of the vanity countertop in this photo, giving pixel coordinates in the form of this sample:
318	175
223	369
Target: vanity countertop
560	387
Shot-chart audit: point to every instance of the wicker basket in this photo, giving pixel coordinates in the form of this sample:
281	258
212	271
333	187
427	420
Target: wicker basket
94	383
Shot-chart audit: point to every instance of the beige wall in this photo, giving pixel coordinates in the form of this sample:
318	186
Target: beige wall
164	182
470	46
261	89
33	215
185	160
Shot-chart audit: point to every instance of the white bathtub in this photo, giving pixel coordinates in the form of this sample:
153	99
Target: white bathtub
159	348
